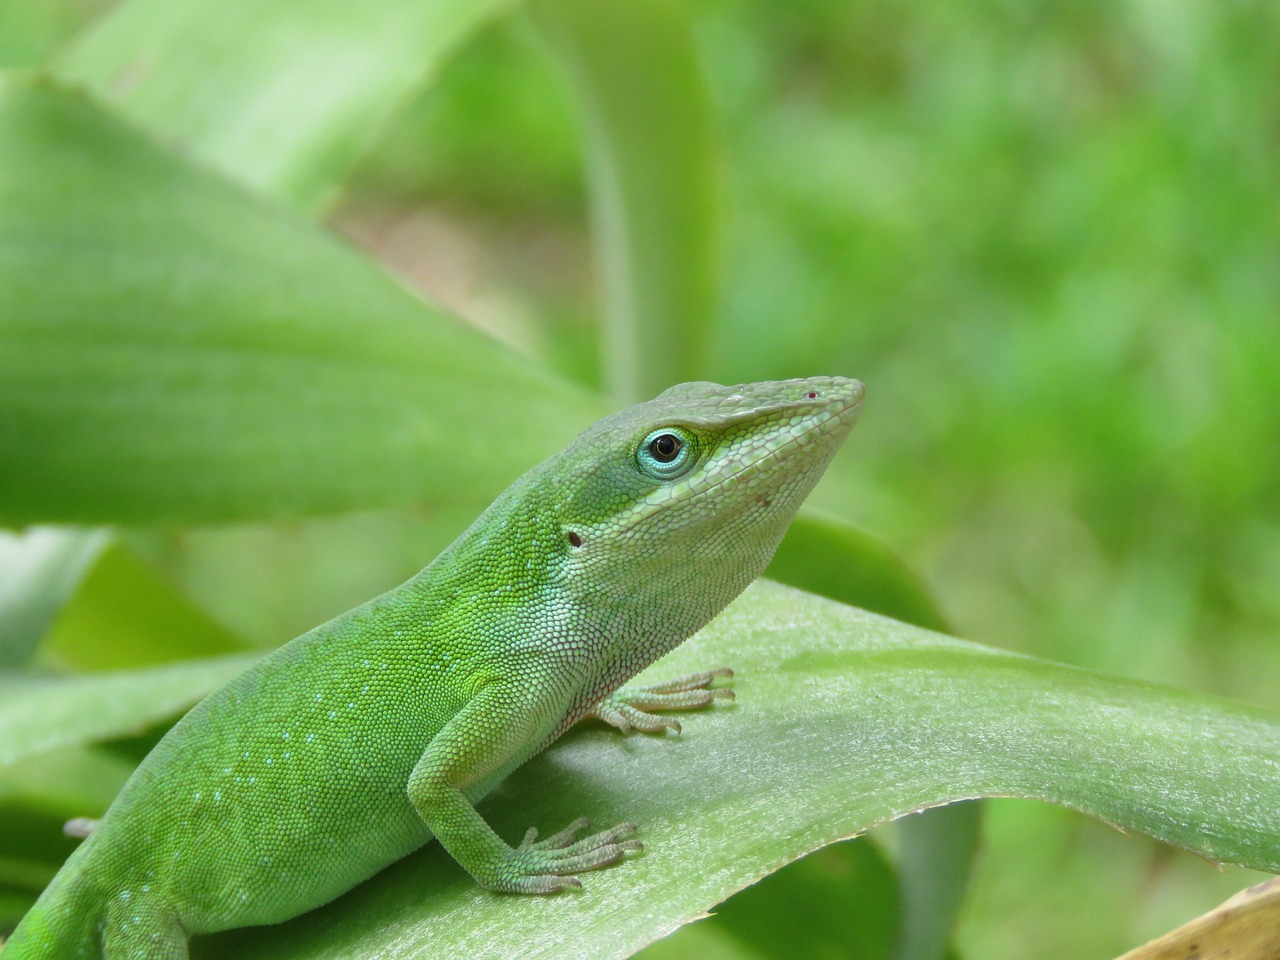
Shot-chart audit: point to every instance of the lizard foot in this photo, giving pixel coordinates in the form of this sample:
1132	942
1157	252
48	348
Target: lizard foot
544	866
626	708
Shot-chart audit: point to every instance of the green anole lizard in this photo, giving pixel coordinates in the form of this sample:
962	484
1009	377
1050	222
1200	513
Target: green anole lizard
356	743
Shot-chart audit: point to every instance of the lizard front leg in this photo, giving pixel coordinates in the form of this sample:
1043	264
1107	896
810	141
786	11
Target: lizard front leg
497	730
626	708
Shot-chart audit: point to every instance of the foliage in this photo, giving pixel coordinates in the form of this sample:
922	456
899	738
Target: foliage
1045	238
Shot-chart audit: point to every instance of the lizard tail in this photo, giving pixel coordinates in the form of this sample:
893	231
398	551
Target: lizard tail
64	924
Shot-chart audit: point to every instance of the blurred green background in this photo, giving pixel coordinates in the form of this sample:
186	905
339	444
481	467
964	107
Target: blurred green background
1046	236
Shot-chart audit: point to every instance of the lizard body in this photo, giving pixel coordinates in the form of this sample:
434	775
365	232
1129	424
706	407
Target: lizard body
356	743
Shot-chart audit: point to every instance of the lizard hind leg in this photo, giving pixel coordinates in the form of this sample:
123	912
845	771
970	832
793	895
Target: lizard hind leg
627	708
136	930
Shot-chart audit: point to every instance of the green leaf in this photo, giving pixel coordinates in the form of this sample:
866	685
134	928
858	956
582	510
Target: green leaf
843	720
74	781
126	615
646	116
282	96
935	849
174	349
827	556
39	571
39	714
840	901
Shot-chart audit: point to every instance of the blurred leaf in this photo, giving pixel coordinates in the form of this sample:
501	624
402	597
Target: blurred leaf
652	168
841	902
844	720
1246	927
838	902
75	781
273	582
827	556
173	349
126	615
282	96
936	850
39	571
39	714
703	939
37	796
29	32
14	902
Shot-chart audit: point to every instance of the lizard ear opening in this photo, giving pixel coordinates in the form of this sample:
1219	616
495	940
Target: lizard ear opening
574	539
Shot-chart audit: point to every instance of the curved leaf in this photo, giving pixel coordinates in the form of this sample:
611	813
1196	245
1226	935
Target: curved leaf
281	96
843	720
172	348
651	164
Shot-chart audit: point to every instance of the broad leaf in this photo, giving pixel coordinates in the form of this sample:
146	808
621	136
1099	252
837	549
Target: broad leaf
844	720
173	349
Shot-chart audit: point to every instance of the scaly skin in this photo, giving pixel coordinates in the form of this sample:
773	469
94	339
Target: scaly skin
359	741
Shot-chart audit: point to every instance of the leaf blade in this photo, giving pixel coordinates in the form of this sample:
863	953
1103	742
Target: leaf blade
844	720
41	714
283	97
40	570
646	118
175	350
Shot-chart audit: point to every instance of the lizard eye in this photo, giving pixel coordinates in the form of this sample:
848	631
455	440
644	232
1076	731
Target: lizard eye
666	453
665	447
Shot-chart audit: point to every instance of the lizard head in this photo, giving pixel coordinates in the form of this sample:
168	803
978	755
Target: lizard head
698	484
